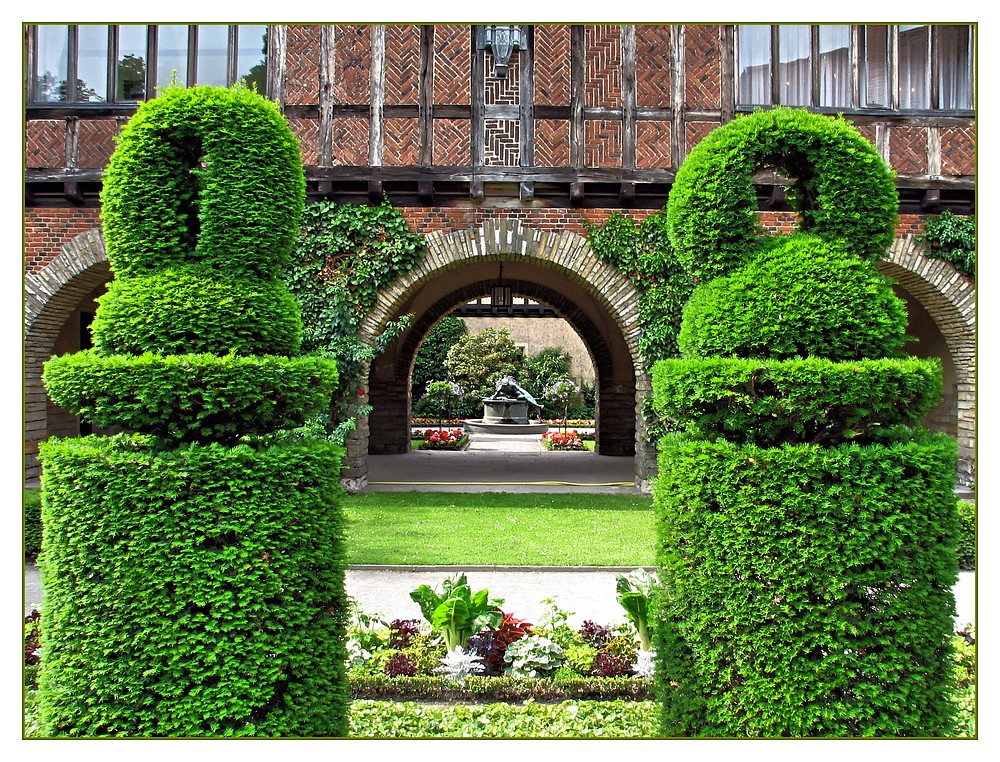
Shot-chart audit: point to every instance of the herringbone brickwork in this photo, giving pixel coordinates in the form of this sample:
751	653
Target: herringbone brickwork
703	67
353	63
604	143
958	151
95	141
552	65
552	143
604	65
695	132
908	150
652	145
45	143
502	92
452	48
350	142
502	143
302	64
400	142
307	131
402	64
451	142
652	64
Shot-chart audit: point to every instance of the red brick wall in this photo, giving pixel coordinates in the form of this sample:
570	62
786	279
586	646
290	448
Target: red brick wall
402	64
46	231
652	65
44	143
302	64
703	67
552	65
452	61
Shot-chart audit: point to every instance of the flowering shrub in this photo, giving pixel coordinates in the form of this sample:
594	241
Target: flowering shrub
557	440
444	439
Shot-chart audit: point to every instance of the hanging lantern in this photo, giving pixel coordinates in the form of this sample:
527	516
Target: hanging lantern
501	297
503	40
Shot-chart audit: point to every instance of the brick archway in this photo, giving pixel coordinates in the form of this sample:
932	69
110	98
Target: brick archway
950	299
50	296
556	268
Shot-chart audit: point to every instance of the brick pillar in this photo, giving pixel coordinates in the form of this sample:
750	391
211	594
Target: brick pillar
615	424
390	418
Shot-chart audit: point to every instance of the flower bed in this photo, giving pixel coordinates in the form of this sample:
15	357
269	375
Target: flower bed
558	440
445	439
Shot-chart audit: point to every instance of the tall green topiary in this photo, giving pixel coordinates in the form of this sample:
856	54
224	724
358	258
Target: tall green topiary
193	565
807	524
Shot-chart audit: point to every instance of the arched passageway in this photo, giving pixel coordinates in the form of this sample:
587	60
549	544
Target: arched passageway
557	269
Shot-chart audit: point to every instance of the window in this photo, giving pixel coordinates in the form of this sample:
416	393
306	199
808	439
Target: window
910	67
128	62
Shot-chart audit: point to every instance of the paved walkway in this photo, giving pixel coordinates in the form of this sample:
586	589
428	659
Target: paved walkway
502	463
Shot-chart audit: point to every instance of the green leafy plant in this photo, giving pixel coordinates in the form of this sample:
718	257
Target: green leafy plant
456	611
477	360
443	395
634	591
953	239
431	355
563	392
534	656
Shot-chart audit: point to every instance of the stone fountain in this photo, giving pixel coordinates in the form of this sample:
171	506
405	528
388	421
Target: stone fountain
506	412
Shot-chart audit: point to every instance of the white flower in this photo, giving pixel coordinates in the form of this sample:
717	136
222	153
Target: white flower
644	663
459	664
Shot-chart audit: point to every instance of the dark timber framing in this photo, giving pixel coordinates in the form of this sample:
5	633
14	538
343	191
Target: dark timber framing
572	185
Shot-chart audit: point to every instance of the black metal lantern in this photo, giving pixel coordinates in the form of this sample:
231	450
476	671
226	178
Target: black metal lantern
501	296
503	40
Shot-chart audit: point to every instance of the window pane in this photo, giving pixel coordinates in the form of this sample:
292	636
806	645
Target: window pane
794	74
875	79
131	63
252	56
171	55
834	65
92	79
955	58
754	84
52	63
914	66
213	42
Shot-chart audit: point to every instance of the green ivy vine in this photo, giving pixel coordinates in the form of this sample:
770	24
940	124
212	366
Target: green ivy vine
953	239
344	255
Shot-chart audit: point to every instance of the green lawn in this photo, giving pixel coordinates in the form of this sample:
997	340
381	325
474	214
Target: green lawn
498	528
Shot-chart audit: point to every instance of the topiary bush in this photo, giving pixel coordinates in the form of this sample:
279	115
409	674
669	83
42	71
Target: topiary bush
807	523
841	189
801	297
193	566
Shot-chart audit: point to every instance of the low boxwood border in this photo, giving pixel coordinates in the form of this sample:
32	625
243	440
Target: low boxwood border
478	689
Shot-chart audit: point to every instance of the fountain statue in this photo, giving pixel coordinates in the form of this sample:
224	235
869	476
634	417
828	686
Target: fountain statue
506	412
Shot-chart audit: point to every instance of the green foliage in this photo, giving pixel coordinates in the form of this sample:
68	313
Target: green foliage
841	189
585	719
541	370
31	522
344	255
203	174
953	239
800	298
191	309
774	402
433	350
477	360
191	397
457	612
534	656
967	515
192	592
644	254
806	590
441	396
634	592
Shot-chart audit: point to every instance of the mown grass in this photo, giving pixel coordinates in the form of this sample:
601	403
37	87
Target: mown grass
499	529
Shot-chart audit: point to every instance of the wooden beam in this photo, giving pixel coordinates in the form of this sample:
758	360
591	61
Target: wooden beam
277	43
678	147
478	125
377	95
578	96
327	73
628	97
526	96
425	89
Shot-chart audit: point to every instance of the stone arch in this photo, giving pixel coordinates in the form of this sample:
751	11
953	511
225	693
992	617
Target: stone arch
50	296
599	302
949	297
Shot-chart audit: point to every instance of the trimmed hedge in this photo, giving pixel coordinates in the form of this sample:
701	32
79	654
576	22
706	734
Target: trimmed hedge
193	310
842	189
203	174
31	522
807	590
773	402
193	592
192	397
478	689
967	538
801	297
